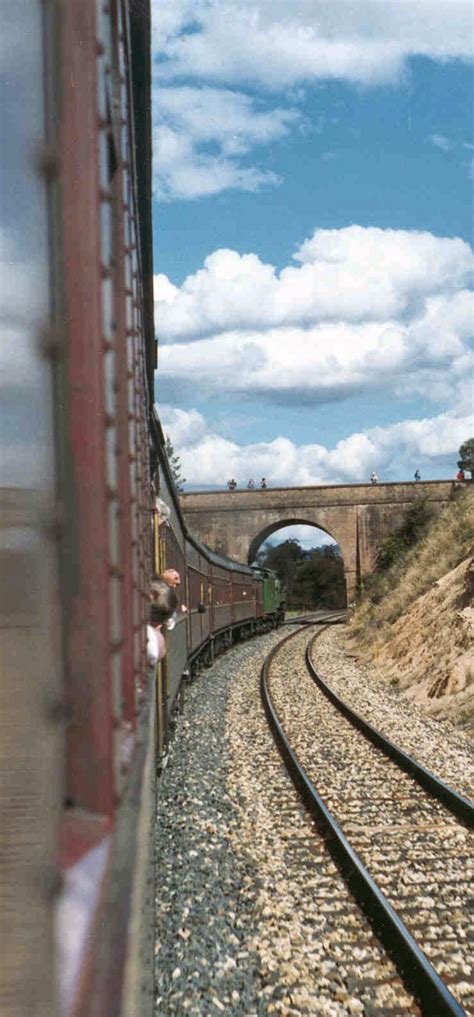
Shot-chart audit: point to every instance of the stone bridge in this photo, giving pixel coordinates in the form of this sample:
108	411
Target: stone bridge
357	516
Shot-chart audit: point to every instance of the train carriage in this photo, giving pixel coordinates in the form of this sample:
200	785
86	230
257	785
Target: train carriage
169	552
78	773
197	588
243	595
83	721
220	596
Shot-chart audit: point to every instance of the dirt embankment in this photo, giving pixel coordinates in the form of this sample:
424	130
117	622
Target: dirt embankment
420	632
430	651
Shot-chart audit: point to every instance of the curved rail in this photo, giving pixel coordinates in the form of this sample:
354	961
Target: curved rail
460	806
320	618
419	975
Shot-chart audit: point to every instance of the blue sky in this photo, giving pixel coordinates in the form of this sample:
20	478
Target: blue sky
313	210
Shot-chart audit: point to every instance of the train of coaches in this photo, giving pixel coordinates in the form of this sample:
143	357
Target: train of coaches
83	721
212	600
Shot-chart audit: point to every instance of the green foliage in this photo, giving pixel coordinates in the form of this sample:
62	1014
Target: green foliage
390	551
175	464
393	549
466	456
282	559
312	578
319	581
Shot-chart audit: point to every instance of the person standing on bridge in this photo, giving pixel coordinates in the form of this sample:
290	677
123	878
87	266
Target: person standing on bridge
263	484
417	475
374	478
251	485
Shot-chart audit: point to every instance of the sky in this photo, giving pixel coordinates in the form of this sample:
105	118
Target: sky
313	172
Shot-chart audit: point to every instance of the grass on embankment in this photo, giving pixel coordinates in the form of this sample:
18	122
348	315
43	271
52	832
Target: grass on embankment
448	541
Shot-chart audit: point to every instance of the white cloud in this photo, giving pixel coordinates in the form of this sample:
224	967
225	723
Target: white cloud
180	171
233	119
186	427
439	141
429	443
353	274
168	20
165	292
364	308
202	134
281	45
321	364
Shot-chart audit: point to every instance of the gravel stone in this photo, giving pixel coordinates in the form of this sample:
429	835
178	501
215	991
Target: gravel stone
437	744
417	852
252	916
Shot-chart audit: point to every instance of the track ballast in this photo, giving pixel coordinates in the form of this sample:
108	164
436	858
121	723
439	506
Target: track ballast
254	917
395	828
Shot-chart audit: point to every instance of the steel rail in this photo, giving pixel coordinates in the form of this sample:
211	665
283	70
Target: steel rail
459	805
415	968
327	618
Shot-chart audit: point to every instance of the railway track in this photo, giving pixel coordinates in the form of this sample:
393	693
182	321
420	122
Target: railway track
403	848
334	617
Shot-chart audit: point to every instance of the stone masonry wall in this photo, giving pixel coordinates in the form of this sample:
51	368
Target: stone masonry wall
357	516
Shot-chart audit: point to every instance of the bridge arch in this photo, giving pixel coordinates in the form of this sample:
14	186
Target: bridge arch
335	524
287	524
268	530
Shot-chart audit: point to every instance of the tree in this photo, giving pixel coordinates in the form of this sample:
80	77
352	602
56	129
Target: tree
282	559
412	528
175	464
466	456
319	581
312	578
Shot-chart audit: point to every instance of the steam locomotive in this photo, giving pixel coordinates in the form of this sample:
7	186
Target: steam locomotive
82	723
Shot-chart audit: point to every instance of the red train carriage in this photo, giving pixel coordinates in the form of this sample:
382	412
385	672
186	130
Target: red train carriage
105	830
220	598
76	541
82	719
197	589
243	596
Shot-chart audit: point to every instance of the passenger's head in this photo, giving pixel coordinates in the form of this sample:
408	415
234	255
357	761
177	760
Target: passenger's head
163	602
